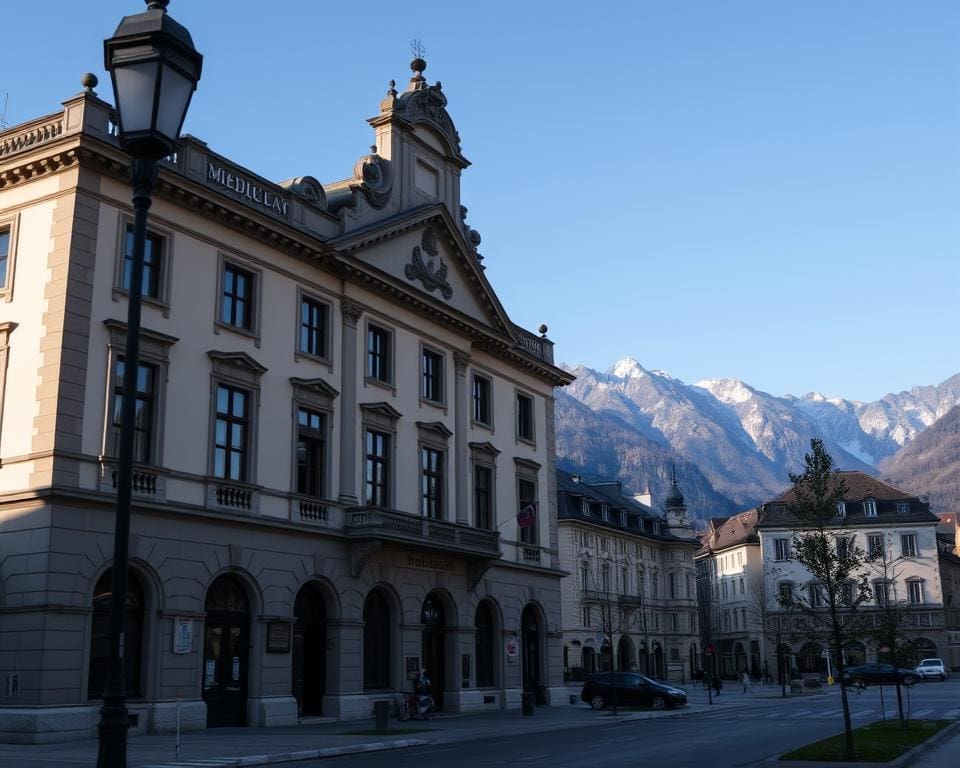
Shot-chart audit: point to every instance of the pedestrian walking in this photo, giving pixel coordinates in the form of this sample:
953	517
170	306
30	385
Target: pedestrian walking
744	679
717	684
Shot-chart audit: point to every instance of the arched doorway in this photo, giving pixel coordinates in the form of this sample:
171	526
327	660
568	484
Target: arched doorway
659	671
625	655
854	654
100	636
376	641
530	644
309	650
589	660
809	659
643	658
921	649
483	626
432	646
226	639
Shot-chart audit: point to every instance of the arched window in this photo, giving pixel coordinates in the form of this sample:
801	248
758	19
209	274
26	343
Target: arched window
483	625
376	641
100	637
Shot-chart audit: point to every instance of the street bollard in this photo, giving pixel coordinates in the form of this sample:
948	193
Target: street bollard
528	704
381	711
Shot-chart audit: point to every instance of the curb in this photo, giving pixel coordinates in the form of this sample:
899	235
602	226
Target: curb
289	757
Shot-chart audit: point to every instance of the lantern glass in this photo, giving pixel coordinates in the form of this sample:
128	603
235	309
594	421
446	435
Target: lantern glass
175	93
136	85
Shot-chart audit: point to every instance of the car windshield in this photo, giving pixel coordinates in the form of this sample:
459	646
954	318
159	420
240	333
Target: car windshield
930	663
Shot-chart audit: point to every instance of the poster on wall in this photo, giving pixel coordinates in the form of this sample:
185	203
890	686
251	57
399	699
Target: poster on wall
182	635
413	667
209	671
512	646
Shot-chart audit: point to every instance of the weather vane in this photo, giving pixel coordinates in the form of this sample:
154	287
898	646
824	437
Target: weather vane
417	49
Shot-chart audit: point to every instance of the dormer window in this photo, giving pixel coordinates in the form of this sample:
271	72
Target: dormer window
903	508
841	509
605	513
585	507
870	508
623	518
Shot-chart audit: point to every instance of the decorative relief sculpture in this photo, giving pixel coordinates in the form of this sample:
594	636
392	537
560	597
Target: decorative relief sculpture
423	270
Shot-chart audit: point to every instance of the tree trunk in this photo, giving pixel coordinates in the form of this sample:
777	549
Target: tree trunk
849	749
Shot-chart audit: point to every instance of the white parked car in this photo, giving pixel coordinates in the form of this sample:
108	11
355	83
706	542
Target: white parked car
932	668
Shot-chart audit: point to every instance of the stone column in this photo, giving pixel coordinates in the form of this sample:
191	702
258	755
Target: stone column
461	361
349	382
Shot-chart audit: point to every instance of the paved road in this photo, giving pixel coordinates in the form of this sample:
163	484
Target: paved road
723	738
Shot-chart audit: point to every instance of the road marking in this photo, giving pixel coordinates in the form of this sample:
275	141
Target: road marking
922	713
535	757
863	712
951	714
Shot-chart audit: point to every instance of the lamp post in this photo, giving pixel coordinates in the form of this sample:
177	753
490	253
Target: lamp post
155	69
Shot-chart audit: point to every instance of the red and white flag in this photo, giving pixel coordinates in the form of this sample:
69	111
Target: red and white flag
527	515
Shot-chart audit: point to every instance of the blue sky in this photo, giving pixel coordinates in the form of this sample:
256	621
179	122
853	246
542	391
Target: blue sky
765	190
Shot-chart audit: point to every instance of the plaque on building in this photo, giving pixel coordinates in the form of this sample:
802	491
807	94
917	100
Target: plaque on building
412	666
278	637
182	635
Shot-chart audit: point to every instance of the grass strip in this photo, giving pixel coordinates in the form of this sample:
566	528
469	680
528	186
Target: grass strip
878	742
388	732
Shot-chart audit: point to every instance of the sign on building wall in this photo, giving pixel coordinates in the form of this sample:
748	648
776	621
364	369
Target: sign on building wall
182	635
512	647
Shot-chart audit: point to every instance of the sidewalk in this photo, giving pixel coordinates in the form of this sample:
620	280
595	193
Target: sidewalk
946	754
263	746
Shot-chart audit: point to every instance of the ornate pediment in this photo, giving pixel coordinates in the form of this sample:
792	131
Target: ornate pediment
486	449
239	360
314	386
437	428
384	410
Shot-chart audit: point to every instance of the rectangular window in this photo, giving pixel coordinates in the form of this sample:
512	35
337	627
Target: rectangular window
527	497
673	585
782	547
605	579
4	255
376	468
908	544
143	422
585	576
483	496
313	327
639	583
880	592
785	591
841	509
236	303
378	354
311	450
846	593
875	545
843	546
674	622
152	263
870	508
915	592
586	617
431	482
815	593
903	507
432	376
482	400
525	417
232	436
654	585
741	585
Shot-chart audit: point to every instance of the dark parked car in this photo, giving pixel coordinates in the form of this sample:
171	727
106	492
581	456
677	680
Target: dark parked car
878	674
631	690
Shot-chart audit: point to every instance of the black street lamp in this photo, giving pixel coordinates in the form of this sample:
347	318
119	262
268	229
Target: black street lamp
155	69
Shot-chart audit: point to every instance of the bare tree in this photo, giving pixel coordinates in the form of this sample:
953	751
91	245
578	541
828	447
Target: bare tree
892	612
705	615
822	545
616	619
776	626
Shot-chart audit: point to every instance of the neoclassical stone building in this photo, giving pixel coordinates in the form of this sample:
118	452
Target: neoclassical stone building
632	576
339	428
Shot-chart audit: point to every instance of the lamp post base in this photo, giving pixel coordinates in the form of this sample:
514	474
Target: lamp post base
113	727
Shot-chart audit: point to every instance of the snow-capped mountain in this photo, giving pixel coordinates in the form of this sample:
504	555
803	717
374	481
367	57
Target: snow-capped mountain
746	441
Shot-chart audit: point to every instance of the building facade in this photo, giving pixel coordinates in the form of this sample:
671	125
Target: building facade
630	596
891	527
344	451
730	575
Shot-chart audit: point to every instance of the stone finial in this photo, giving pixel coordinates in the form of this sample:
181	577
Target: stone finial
89	81
392	90
418	81
157	5
542	330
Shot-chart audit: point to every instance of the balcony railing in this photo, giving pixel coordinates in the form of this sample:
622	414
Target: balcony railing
391	525
538	346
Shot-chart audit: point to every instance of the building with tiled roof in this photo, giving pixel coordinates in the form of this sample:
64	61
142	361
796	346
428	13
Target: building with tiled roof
729	577
634	565
881	519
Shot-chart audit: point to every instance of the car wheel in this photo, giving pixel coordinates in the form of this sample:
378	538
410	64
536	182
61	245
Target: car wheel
943	678
658	702
909	680
597	701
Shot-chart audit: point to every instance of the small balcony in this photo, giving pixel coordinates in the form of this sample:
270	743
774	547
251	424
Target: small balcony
388	525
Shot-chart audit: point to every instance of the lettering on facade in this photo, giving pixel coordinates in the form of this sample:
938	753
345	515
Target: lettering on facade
428	563
248	189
